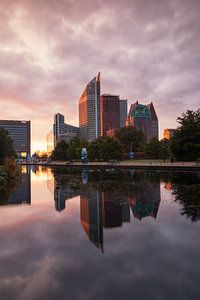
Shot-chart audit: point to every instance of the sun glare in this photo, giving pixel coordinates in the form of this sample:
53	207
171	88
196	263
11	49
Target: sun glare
38	146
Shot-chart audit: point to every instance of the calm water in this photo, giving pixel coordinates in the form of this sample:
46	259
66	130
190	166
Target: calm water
100	235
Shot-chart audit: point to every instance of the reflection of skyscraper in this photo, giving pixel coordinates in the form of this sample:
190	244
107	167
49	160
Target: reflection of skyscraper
116	210
62	193
22	192
125	209
91	216
59	198
147	201
89	110
112	211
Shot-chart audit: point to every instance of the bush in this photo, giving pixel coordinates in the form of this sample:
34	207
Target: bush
3	181
11	168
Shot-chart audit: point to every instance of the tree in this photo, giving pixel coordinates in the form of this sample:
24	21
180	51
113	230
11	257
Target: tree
130	138
75	147
61	151
153	149
157	149
6	146
105	148
185	144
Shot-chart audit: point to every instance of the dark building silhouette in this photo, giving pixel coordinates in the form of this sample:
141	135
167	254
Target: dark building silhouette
123	112
20	133
110	114
89	111
144	118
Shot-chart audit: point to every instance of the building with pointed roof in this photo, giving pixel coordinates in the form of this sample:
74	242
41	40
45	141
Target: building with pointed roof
144	118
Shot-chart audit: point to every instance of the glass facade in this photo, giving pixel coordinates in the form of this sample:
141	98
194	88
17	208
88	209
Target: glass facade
20	133
144	118
89	111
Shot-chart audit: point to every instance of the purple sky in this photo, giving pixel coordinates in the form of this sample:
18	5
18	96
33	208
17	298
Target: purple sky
146	50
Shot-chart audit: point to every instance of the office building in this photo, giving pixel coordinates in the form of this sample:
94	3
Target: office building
144	118
89	111
110	114
63	131
168	133
123	112
20	133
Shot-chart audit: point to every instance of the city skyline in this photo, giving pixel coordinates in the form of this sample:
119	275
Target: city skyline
49	54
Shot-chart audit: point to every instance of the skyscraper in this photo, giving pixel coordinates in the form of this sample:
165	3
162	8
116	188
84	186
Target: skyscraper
123	112
144	118
89	110
110	113
20	133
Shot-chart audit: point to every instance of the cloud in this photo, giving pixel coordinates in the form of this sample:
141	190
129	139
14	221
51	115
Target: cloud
146	50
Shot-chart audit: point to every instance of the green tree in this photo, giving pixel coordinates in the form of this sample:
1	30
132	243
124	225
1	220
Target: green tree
75	147
130	138
157	149
6	146
185	144
153	149
105	148
61	151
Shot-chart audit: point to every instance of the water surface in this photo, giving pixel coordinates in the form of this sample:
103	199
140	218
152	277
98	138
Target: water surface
100	235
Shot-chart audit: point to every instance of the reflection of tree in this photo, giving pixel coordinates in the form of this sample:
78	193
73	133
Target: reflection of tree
189	197
17	191
6	191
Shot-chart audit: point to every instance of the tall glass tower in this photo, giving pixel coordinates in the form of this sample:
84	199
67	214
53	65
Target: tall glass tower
89	111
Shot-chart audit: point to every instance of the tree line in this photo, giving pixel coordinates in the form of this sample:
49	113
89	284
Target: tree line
184	145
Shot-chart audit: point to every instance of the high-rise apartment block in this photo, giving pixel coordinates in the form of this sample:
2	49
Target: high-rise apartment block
110	114
144	118
89	110
20	133
63	131
123	112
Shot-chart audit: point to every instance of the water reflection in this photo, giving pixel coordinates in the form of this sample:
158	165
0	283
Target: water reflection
18	192
134	218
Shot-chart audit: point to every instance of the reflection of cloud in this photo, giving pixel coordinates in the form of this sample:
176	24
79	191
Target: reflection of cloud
54	261
152	46
45	255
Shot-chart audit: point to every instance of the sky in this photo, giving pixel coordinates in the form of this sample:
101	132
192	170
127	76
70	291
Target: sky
49	51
